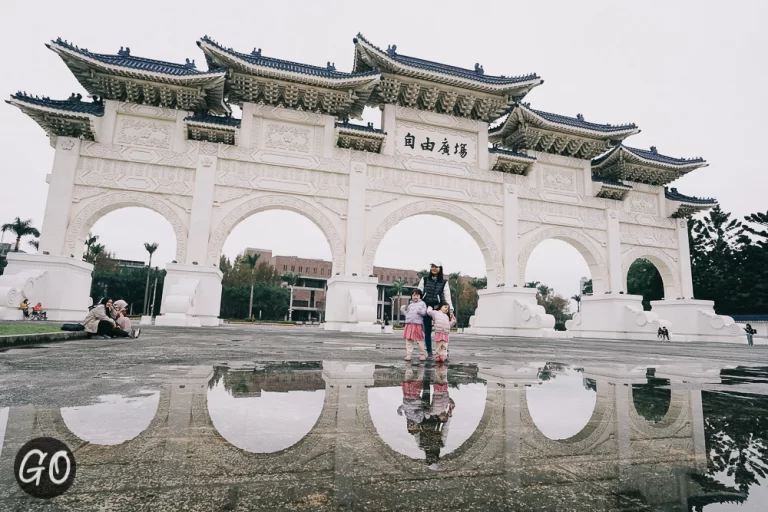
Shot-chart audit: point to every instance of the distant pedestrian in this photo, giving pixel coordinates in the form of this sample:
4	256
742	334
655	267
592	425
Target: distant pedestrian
414	325
750	333
660	333
665	333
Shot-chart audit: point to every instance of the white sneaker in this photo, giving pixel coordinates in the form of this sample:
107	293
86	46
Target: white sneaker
136	333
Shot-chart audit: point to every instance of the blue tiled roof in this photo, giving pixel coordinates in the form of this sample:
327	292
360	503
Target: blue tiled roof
73	104
476	74
126	60
579	122
654	155
509	152
257	59
750	318
610	181
222	120
359	127
673	195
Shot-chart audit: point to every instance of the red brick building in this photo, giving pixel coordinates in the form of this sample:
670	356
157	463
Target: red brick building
309	295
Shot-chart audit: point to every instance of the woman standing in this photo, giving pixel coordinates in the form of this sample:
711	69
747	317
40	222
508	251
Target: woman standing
750	334
436	291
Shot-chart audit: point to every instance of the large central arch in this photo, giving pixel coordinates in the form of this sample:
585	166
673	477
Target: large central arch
592	255
462	217
276	202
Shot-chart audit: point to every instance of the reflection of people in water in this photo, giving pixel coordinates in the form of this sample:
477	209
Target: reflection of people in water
428	409
412	406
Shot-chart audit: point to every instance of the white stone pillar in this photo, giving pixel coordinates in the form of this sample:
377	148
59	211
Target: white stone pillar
684	258
202	210
57	207
614	284
388	122
511	275
356	219
179	132
329	136
245	137
482	146
106	131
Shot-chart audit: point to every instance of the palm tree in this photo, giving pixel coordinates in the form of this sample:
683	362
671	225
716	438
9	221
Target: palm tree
398	287
544	290
95	250
577	298
151	248
479	284
292	280
251	260
456	276
20	228
422	273
532	284
89	241
35	243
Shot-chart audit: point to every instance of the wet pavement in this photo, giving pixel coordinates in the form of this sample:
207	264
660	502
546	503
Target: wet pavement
252	418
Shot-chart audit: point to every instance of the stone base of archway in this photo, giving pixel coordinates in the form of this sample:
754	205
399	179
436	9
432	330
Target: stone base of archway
510	312
696	320
350	304
191	296
615	317
61	285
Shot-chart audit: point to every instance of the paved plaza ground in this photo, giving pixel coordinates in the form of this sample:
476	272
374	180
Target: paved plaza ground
66	373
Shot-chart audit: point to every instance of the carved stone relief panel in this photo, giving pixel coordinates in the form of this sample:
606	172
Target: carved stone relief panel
288	137
337	206
81	193
145	155
496	213
561	179
560	213
434	185
433	118
232	173
643	203
138	131
116	174
524	227
374	199
648	235
139	110
288	114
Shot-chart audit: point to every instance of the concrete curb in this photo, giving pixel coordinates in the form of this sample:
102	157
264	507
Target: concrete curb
12	340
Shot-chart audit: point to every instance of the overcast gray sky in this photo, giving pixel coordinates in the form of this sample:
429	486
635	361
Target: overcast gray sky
691	74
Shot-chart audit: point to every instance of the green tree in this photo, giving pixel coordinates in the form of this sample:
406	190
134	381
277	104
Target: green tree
587	288
35	243
577	298
531	284
397	288
479	283
251	260
89	241
95	250
20	228
151	248
455	279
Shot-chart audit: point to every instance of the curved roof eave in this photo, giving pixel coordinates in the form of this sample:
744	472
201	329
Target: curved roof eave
380	57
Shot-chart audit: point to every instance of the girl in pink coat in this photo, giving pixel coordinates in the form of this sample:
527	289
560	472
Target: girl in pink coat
443	324
414	325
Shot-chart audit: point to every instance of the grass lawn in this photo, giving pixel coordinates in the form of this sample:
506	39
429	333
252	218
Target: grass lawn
37	328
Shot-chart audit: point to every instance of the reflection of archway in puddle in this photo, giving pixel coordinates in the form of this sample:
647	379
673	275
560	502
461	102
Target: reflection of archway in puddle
470	400
563	405
3	420
114	420
268	423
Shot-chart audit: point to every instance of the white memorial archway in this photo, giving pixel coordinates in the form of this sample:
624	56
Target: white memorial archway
161	135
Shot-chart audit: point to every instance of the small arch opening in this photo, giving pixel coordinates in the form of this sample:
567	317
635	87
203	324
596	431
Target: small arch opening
563	404
644	278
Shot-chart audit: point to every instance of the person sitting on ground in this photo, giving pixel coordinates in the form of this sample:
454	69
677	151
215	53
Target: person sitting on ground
660	333
100	321
24	306
123	322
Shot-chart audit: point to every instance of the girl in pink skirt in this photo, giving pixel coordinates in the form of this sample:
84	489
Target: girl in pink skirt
443	323
414	325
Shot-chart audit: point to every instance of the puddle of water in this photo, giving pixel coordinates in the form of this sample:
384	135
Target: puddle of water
534	435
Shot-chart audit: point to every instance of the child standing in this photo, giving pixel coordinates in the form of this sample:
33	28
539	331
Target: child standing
414	325
443	324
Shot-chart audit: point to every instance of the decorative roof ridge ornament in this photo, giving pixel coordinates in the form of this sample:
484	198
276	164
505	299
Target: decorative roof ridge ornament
256	53
479	69
190	64
124	52
655	151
